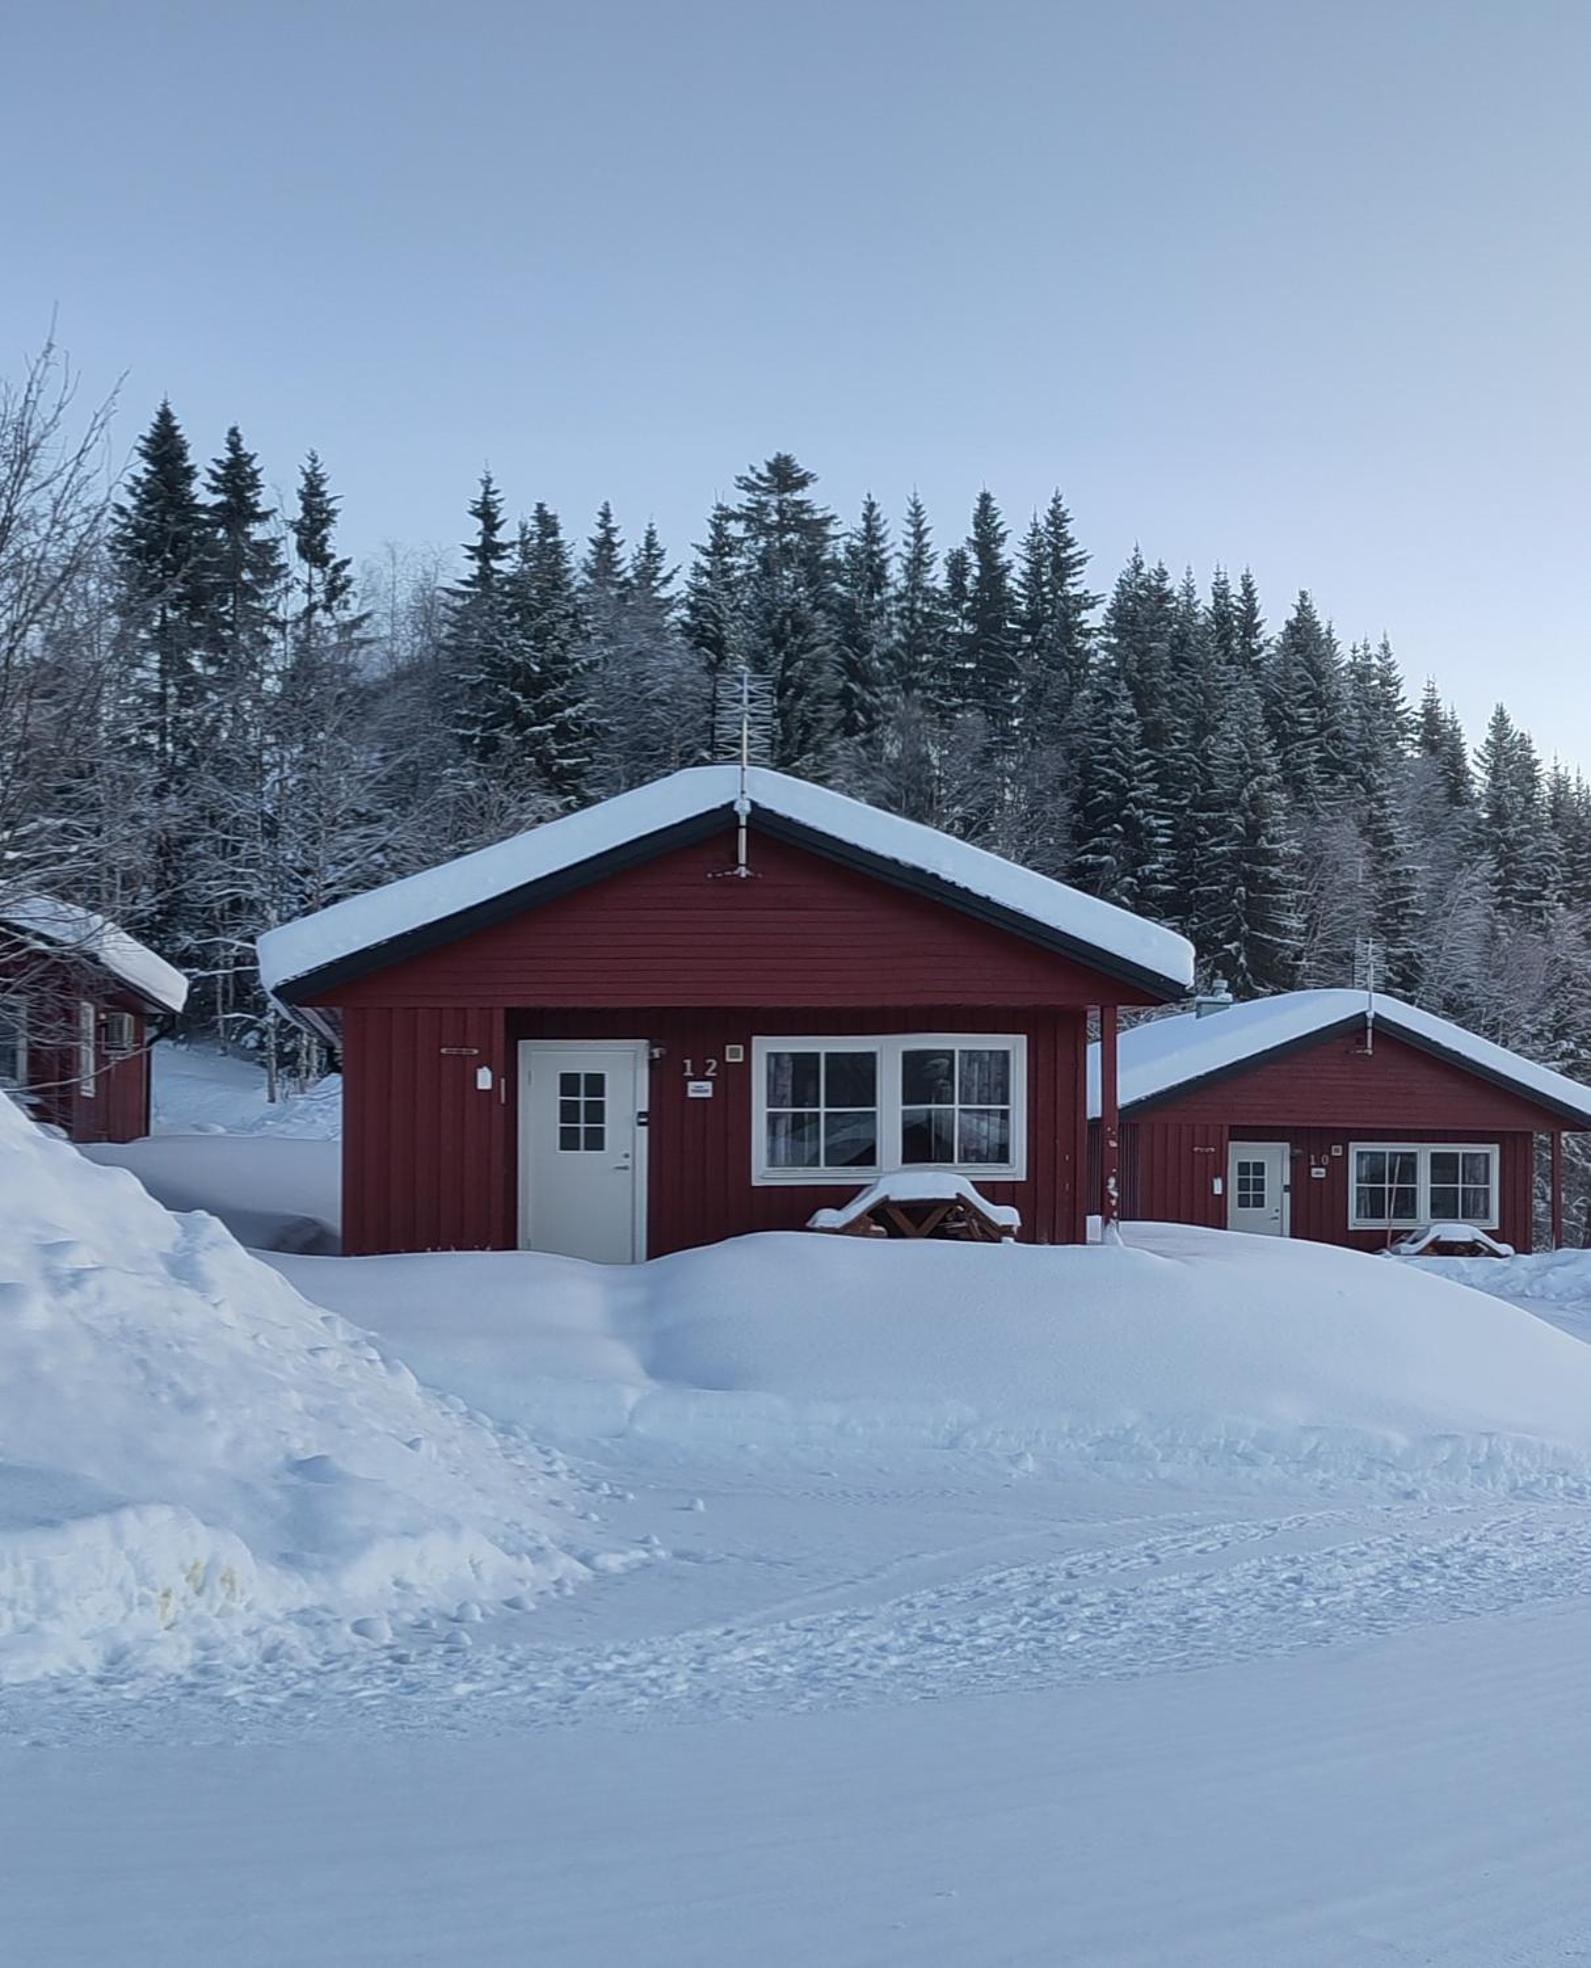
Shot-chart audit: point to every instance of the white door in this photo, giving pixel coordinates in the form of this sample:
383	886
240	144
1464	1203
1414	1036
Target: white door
582	1173
1257	1198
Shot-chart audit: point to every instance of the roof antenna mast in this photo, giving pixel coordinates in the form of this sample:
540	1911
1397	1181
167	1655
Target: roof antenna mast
1366	959
745	724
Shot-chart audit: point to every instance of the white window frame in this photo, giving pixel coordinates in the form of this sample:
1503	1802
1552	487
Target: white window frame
87	1048
16	1009
1422	1151
888	1048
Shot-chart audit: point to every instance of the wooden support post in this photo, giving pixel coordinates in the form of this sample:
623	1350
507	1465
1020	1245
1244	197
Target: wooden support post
1109	1122
1557	1188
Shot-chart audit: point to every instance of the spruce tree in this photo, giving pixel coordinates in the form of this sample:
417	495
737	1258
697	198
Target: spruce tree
987	657
1305	704
161	546
714	594
325	578
916	653
481	646
1250	627
863	624
246	573
1055	632
1119	847
1392	879
787	615
549	698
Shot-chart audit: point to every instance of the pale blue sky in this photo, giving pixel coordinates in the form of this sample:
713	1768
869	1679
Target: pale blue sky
1302	286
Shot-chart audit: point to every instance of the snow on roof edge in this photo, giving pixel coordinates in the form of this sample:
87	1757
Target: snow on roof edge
1163	1054
382	915
68	926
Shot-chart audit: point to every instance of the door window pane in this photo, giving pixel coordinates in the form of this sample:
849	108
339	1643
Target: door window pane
582	1113
1251	1185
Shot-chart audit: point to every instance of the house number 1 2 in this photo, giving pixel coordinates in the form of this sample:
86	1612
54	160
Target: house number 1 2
709	1070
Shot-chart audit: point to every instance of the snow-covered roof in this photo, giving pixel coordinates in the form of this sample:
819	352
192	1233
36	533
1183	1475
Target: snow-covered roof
1165	1054
427	900
66	926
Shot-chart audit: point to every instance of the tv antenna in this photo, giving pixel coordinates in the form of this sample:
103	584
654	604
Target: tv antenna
743	710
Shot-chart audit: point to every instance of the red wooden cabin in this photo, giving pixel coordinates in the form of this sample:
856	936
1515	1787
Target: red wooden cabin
684	1014
80	1006
1338	1117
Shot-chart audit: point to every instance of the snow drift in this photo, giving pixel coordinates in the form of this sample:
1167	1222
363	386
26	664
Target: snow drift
1186	1351
191	1455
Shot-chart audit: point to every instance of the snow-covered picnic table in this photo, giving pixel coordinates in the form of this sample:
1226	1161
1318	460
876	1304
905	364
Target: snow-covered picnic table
926	1204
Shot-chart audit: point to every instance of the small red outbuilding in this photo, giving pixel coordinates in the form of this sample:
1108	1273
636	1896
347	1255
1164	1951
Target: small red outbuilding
80	1005
711	1005
1337	1116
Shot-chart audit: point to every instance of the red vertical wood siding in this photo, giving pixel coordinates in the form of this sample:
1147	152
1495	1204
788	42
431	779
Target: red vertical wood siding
1320	1099
426	1152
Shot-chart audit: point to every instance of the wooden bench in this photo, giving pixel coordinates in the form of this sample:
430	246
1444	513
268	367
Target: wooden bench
946	1206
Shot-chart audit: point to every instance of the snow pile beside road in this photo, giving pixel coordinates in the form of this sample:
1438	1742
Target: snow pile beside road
193	1459
1185	1351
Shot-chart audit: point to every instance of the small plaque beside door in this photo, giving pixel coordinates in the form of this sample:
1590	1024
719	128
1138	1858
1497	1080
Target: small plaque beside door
699	1089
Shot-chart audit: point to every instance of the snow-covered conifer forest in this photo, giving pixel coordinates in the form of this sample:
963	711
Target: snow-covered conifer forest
211	720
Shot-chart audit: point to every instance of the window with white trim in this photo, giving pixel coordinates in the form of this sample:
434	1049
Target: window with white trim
87	1055
1403	1185
13	1043
840	1109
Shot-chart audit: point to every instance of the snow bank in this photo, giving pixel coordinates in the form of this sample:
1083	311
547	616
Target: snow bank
194	1457
1186	1350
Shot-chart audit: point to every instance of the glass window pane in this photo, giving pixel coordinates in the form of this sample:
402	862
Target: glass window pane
568	1110
927	1134
793	1141
569	1086
596	1085
1372	1165
986	1076
1403	1166
594	1137
986	1135
1444	1202
928	1078
568	1138
1444	1166
1477	1167
1370	1205
1477	1204
850	1140
1404	1207
850	1079
793	1079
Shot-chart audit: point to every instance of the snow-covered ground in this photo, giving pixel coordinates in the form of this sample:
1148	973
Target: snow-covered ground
1204	1601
